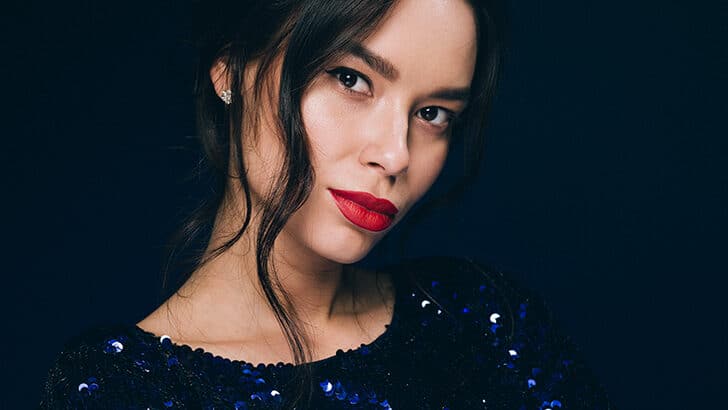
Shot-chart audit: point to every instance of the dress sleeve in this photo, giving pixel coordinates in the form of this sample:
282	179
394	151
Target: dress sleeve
89	373
515	355
65	385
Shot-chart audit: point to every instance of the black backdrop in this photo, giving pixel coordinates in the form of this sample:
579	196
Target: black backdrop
603	184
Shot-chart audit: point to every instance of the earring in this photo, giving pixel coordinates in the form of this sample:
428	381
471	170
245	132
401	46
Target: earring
227	96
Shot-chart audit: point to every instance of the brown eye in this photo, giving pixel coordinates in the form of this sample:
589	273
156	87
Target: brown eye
436	115
352	80
349	80
429	113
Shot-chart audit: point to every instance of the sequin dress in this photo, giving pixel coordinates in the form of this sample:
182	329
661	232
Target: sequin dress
462	336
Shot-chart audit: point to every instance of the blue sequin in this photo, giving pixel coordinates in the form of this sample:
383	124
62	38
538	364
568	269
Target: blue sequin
372	397
172	361
113	346
339	391
522	310
327	387
496	349
165	341
88	387
354	398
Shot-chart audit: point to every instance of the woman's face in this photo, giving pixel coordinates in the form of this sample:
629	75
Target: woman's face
378	123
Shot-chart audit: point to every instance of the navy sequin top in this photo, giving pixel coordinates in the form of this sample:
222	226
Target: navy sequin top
462	337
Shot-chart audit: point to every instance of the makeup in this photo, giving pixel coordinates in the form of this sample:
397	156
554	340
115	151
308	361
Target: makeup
364	209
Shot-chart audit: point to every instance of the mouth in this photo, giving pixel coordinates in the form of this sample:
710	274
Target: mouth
364	209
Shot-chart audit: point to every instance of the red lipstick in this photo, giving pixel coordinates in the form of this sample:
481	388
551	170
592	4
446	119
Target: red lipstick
364	209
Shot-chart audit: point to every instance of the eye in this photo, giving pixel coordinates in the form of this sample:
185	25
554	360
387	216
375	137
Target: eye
436	115
352	80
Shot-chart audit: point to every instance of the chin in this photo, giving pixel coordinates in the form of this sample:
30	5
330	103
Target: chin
346	246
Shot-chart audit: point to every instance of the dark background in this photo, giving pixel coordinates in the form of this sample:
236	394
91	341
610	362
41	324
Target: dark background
603	184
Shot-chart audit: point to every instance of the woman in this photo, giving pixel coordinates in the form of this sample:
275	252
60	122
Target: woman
327	121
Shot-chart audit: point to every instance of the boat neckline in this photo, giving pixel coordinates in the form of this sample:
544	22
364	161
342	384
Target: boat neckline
364	347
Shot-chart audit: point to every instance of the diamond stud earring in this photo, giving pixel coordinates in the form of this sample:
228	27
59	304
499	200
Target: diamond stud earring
227	96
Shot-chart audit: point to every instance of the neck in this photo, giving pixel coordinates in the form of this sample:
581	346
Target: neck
225	298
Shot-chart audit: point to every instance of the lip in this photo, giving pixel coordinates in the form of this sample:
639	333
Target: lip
364	209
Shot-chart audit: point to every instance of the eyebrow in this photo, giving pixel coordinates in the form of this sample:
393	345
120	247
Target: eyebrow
376	62
387	70
452	94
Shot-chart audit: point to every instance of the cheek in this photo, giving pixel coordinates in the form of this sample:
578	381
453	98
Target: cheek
263	159
426	166
329	126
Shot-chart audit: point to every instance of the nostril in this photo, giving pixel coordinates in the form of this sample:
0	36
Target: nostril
376	164
392	159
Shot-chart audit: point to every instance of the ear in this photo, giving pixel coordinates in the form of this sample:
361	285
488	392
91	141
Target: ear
219	77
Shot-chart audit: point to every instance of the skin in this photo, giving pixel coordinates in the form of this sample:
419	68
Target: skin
374	138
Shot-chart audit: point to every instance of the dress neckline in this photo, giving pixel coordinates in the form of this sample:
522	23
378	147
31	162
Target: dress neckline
364	348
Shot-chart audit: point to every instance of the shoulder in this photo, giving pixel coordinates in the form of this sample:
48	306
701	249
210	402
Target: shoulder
511	349
97	368
463	287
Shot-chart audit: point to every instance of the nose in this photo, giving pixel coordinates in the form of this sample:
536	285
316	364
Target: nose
386	135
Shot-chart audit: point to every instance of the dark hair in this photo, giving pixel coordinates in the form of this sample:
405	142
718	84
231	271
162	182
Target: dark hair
306	35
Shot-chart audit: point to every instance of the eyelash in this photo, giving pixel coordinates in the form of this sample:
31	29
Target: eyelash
335	72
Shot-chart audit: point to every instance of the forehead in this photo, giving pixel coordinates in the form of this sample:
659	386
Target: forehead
432	41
